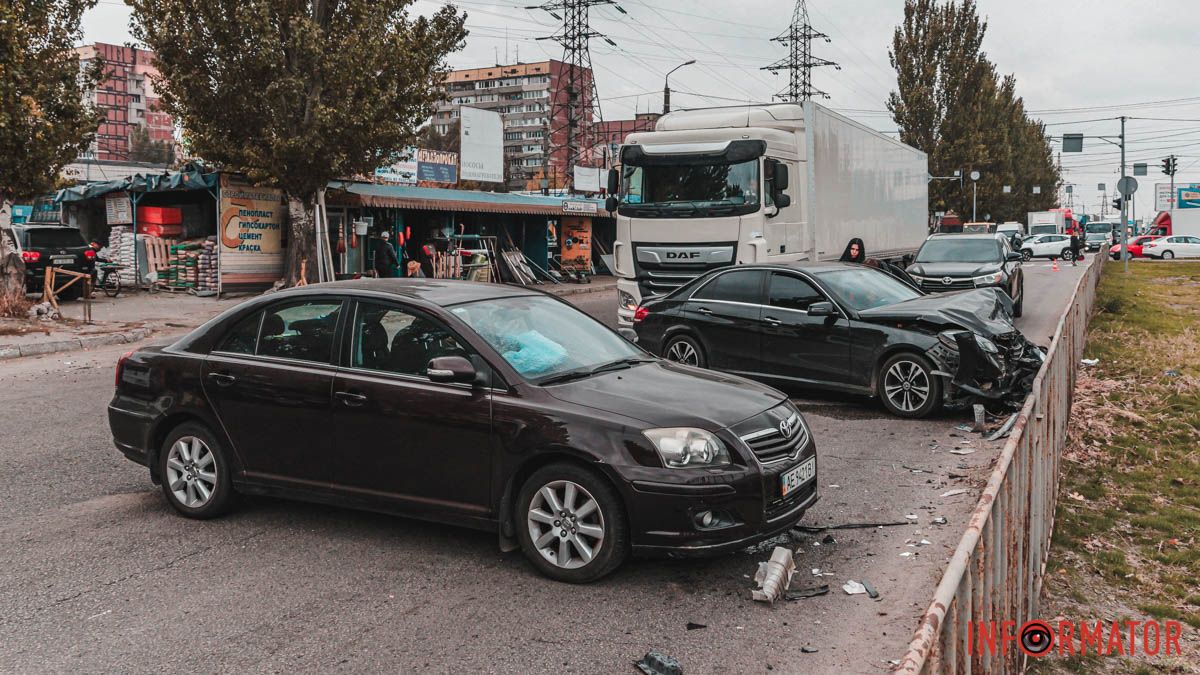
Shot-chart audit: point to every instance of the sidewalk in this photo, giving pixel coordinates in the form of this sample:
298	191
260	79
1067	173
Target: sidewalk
131	317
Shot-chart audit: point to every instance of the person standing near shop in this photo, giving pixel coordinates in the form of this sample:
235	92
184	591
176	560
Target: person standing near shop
384	260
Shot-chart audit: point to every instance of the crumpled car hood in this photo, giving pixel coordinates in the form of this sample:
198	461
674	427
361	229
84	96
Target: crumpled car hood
985	311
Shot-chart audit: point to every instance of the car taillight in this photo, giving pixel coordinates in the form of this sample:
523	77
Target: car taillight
639	314
89	254
31	256
121	366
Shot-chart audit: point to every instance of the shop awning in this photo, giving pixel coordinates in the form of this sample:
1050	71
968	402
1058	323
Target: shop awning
463	201
191	177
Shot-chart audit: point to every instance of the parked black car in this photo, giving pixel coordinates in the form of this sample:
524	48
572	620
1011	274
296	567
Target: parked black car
849	328
44	245
961	261
488	406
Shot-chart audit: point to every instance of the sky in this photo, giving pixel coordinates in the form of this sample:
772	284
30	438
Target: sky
1079	64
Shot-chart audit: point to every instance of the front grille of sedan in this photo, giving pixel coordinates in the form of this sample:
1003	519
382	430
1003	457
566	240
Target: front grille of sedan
770	445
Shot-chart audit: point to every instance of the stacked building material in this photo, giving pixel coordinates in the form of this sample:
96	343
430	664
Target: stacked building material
206	266
122	250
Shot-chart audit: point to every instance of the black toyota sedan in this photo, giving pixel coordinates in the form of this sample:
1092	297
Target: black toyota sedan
849	328
481	405
953	262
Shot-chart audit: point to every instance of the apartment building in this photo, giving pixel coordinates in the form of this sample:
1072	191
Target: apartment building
127	98
610	134
523	94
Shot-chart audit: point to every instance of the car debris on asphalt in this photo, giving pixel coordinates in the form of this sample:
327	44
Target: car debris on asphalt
657	663
692	625
774	576
806	592
955	492
852	587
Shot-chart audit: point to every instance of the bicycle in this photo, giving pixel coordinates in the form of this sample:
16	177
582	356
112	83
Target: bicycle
110	278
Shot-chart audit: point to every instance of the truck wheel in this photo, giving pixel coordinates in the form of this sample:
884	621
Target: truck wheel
571	523
686	350
1167	255
908	387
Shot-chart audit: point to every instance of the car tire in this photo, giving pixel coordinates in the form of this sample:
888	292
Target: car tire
1167	255
1026	255
562	550
195	474
685	349
1067	255
905	401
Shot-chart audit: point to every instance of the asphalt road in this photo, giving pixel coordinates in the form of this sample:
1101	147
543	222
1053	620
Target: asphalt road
100	575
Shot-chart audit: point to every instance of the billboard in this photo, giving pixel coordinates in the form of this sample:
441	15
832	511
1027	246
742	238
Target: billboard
587	178
1183	191
437	166
401	172
250	228
481	141
117	209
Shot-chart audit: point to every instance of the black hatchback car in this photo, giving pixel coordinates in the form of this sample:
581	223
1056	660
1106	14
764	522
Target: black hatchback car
481	405
845	327
954	262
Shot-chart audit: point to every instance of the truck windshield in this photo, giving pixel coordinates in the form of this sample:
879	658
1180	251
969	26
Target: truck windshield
1099	228
695	190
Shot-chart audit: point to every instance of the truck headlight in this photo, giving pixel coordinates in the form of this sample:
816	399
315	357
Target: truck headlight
625	300
682	447
994	278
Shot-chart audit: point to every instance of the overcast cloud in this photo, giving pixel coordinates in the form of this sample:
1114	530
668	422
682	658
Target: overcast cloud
1071	60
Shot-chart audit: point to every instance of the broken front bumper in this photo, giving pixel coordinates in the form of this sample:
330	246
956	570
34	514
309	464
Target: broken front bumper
998	372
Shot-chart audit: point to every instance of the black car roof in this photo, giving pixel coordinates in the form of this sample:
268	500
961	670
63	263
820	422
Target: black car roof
435	291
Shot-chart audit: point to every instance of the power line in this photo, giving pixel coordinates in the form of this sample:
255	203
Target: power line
800	60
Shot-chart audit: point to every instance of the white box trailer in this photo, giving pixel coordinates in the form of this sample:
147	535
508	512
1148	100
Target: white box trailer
1046	222
703	190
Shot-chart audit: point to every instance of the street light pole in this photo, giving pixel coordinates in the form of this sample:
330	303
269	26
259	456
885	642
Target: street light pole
1124	203
667	85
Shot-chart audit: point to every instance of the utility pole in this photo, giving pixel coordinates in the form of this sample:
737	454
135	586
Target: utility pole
574	105
800	61
1124	203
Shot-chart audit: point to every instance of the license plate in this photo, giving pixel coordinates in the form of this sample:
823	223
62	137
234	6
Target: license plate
797	476
62	258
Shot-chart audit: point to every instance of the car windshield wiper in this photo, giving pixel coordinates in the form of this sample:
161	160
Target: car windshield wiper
580	373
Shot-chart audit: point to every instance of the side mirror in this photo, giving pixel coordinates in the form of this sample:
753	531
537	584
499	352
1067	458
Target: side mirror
629	334
781	200
610	203
821	309
779	175
451	369
614	182
1013	256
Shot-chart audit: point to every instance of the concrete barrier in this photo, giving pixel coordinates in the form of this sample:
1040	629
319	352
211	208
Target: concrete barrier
996	572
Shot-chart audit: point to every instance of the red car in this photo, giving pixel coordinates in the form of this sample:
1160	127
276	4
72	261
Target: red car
1135	247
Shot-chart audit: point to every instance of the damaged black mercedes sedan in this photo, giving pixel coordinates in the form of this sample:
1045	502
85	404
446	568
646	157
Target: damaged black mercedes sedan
849	328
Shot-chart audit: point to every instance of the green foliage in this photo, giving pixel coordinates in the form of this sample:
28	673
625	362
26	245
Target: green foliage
44	122
143	149
298	92
952	104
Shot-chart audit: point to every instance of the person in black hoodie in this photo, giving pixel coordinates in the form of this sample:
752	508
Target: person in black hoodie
855	252
385	259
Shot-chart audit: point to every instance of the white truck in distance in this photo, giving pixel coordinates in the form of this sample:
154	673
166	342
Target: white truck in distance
758	184
1047	222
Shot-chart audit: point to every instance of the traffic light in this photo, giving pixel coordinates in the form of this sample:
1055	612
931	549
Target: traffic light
1168	165
1117	204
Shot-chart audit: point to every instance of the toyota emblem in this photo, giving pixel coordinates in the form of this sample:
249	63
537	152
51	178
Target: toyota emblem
947	280
785	427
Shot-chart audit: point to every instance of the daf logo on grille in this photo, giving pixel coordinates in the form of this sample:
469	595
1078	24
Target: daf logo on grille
785	427
681	255
947	280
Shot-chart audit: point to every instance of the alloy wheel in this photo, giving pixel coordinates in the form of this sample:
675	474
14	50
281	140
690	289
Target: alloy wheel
192	472
565	524
906	385
682	351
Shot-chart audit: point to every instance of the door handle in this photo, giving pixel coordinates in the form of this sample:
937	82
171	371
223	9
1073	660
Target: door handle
222	379
771	321
352	400
704	310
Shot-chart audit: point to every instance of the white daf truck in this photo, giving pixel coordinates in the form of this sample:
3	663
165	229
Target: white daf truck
758	184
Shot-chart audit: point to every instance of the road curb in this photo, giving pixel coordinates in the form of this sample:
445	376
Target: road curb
73	344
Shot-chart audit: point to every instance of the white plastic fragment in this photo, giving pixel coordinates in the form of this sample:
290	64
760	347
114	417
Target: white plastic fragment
951	493
852	587
774	576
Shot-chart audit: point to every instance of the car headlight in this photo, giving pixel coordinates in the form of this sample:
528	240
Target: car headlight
993	278
986	345
625	300
946	337
682	447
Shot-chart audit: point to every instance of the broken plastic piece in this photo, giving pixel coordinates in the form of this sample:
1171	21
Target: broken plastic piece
911	516
1172	373
852	587
980	417
656	663
962	451
691	625
951	493
1089	362
871	592
816	529
806	592
940	520
829	539
774	576
808	650
1004	428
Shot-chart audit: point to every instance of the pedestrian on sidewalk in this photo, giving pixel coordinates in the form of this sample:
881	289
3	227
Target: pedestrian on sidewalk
1076	247
855	252
384	261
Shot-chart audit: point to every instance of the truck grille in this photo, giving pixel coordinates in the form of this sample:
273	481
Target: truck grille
659	275
770	445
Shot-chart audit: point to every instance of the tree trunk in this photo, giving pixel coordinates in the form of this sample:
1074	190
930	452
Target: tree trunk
302	240
12	268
